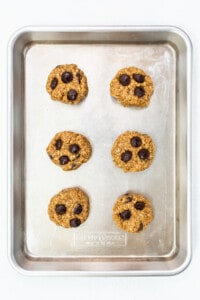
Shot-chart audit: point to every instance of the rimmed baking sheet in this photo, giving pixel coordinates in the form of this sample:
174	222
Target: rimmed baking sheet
98	246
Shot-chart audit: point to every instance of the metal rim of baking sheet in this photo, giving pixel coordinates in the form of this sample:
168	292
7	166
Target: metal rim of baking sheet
107	266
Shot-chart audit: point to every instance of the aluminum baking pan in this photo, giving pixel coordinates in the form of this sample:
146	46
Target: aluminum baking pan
36	245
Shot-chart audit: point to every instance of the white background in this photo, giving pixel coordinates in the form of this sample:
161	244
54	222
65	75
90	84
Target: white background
17	14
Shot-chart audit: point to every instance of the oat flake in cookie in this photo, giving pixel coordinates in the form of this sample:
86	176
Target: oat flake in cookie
132	212
67	83
69	208
69	150
132	87
133	151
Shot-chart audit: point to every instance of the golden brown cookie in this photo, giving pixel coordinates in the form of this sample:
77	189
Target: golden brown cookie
132	212
69	208
69	150
133	151
67	83
132	87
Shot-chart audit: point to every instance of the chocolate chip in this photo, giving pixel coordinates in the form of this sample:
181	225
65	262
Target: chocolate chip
79	77
64	160
58	144
143	154
75	222
124	79
140	205
50	156
54	83
136	141
74	148
126	156
128	199
139	91
125	215
138	77
60	209
140	227
78	209
67	77
72	95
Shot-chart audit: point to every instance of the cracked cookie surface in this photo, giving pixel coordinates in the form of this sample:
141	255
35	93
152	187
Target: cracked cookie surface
69	150
131	86
67	83
69	208
132	212
133	151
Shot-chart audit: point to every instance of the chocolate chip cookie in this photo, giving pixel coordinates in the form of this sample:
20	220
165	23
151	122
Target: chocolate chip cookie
132	87
69	150
133	151
67	83
69	208
132	212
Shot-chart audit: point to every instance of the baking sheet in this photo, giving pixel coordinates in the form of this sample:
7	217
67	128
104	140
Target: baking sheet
101	119
98	247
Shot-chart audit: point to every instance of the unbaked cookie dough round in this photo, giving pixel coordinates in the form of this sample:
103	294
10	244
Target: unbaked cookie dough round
132	212
133	151
69	150
131	86
67	83
69	208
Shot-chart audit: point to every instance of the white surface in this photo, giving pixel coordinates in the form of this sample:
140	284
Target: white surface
17	14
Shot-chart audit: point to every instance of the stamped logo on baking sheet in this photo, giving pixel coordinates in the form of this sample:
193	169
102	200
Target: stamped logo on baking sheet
100	239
